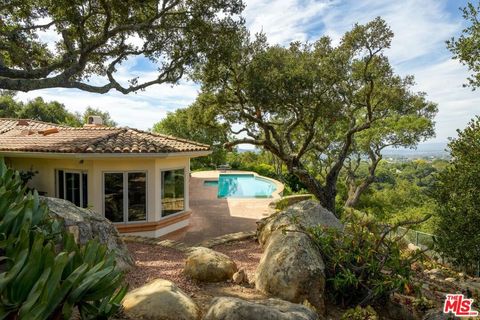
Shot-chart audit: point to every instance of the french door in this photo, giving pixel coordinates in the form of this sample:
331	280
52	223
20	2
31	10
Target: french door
73	186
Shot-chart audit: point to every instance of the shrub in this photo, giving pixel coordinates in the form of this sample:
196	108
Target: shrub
359	313
364	264
44	274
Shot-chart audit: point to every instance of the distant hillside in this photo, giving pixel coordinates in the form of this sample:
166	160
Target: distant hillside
424	150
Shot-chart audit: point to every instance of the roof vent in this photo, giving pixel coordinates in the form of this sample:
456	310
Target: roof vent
22	122
94	121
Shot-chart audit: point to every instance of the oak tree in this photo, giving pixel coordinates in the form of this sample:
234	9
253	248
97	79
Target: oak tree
459	204
82	44
466	47
315	105
197	124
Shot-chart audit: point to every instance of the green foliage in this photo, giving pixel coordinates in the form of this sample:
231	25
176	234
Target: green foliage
313	105
359	313
458	198
198	125
8	105
466	48
94	37
364	264
54	112
44	273
423	304
402	191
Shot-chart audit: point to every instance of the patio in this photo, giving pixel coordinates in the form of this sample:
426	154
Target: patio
212	217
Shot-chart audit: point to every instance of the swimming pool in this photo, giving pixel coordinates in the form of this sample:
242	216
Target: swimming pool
243	186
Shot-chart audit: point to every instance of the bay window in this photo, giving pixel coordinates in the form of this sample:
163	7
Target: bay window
172	191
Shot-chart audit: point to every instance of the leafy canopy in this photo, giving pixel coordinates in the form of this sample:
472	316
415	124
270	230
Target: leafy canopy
315	105
458	200
93	39
466	48
54	112
199	125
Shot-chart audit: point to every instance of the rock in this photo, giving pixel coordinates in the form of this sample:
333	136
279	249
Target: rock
162	300
412	247
287	201
305	214
450	279
86	225
292	269
240	277
436	314
207	265
224	308
434	271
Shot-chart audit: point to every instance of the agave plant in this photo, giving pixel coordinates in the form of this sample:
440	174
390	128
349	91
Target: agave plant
44	273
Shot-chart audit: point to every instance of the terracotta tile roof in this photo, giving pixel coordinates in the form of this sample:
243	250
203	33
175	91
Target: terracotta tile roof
31	136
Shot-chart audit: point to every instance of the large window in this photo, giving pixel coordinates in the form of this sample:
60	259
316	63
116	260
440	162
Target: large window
72	186
125	196
173	191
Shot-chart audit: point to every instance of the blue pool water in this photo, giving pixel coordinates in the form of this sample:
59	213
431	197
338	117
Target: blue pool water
243	186
211	183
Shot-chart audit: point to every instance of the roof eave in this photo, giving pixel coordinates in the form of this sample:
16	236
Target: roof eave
119	155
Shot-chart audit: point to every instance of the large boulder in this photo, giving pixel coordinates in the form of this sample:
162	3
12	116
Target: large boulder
287	201
207	265
86	225
291	268
160	300
304	214
224	308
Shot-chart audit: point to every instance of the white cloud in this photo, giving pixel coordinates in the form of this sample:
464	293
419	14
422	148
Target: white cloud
283	21
138	110
443	82
418	47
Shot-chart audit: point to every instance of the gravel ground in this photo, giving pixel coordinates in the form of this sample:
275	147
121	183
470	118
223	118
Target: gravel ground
154	262
246	254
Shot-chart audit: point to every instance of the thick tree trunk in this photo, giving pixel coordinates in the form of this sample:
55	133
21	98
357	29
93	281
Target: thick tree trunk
354	194
355	191
325	194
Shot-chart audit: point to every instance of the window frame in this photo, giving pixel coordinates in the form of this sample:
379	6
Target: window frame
185	183
80	172
125	195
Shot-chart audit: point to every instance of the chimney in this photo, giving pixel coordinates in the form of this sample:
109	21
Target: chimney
94	121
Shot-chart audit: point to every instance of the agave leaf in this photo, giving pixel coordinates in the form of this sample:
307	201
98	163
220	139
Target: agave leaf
8	276
34	294
30	272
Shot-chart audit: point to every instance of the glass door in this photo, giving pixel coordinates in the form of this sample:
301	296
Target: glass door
125	196
72	186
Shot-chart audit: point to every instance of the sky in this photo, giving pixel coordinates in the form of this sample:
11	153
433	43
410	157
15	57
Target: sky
421	28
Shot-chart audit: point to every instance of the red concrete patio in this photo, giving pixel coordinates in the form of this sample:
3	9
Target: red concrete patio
212	217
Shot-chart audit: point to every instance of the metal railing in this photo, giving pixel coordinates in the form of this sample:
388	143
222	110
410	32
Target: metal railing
418	238
425	241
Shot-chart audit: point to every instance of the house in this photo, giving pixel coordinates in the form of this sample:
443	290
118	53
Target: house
138	180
